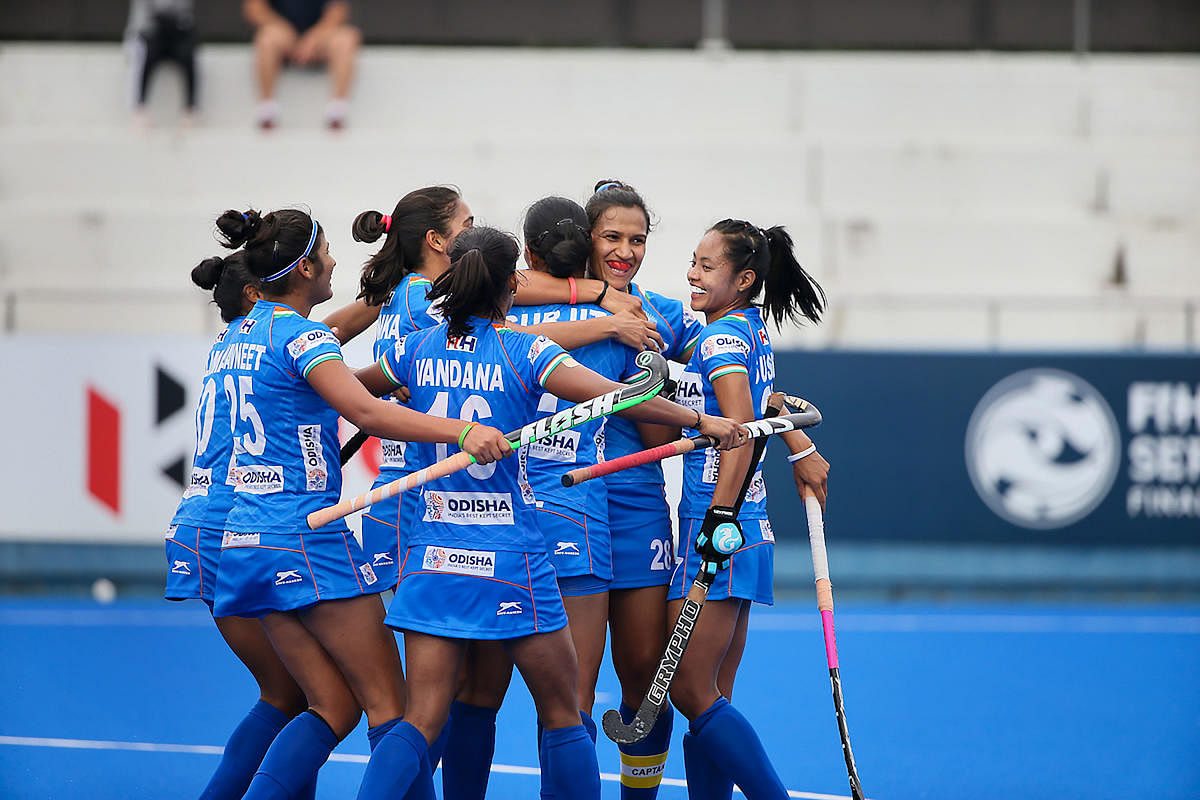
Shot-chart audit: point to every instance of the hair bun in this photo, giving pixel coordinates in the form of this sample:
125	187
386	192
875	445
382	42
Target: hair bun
207	274
238	227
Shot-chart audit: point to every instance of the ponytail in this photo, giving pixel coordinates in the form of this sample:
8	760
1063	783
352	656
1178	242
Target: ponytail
368	227
789	292
415	214
481	263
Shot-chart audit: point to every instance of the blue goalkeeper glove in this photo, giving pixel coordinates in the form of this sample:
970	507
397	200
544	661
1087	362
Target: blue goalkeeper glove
719	537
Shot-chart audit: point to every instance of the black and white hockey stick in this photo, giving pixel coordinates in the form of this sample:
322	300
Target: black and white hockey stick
816	539
642	388
656	696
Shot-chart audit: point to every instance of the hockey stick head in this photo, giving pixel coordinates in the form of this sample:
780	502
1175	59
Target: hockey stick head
618	731
656	371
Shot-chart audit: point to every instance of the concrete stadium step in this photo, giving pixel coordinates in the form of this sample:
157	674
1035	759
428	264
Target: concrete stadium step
931	257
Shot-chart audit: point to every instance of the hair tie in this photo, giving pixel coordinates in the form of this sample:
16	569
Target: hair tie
386	219
609	185
245	217
307	250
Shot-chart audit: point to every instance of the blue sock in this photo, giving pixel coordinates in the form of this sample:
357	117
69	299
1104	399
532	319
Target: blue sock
704	780
417	790
379	731
438	748
546	792
308	792
735	749
399	764
643	763
589	725
571	760
469	750
293	759
244	752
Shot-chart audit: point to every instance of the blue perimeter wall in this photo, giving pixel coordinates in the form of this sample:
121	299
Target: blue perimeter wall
974	472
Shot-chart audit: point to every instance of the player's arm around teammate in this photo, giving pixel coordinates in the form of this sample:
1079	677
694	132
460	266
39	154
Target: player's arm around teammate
732	369
313	590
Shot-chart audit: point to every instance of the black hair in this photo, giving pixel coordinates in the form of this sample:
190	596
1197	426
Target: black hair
270	242
227	278
612	193
789	293
418	212
556	230
483	260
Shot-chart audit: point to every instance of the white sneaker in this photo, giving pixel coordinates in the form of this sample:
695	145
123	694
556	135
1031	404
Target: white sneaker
335	114
267	114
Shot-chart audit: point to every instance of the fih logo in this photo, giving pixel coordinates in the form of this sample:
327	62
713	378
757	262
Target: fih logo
1042	448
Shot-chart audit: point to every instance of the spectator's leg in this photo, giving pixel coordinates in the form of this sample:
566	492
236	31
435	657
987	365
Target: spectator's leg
185	54
341	52
271	45
154	55
136	52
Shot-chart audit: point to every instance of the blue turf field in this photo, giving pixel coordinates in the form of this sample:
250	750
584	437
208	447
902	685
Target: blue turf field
984	701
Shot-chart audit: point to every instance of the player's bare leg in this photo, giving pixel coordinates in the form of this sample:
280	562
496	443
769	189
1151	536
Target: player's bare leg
694	688
249	642
733	656
364	649
638	618
587	617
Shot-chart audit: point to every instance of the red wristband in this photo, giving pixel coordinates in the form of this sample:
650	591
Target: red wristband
574	291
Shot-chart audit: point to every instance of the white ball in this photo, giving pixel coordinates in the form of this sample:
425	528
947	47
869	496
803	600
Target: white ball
104	590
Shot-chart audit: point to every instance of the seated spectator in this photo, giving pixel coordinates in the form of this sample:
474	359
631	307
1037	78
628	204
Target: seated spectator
303	33
158	31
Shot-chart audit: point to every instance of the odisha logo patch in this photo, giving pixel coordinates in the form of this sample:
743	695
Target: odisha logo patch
723	343
1042	448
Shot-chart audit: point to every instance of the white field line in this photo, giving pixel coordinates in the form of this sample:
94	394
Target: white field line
899	622
983	623
352	758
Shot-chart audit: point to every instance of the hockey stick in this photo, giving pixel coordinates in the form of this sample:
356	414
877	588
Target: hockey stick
642	388
656	696
807	416
352	445
816	539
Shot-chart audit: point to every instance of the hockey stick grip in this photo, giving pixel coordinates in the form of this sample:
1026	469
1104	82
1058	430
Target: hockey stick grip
675	448
820	559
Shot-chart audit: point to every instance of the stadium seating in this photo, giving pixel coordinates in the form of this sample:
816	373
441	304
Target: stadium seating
946	201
